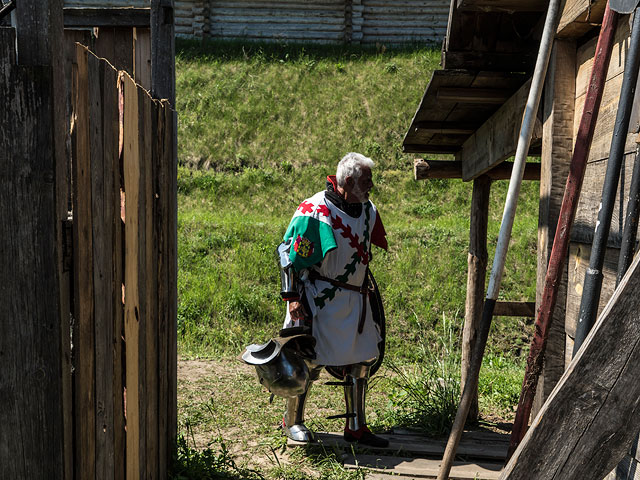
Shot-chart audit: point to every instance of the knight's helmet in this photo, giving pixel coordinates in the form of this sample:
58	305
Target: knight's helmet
281	363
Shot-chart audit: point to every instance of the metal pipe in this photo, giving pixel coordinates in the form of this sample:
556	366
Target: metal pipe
631	221
593	277
526	129
565	220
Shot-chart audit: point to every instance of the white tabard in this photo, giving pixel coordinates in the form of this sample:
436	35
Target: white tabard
336	311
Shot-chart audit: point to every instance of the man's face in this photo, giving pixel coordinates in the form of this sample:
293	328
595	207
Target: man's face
363	185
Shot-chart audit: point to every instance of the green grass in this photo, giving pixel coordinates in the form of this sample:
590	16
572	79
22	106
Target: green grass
260	127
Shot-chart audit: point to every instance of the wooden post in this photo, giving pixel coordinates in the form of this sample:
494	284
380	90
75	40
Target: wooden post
476	275
591	419
557	145
163	87
163	71
35	416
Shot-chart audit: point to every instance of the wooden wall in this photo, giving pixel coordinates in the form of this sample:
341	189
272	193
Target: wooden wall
124	338
323	21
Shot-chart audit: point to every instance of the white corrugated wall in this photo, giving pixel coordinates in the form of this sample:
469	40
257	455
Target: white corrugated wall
323	21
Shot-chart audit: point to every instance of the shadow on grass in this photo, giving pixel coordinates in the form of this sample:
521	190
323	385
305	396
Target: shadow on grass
280	52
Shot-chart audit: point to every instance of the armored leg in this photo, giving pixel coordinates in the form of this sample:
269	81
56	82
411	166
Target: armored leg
355	390
293	420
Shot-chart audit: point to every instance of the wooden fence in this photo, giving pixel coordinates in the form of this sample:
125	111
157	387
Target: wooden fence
124	224
323	21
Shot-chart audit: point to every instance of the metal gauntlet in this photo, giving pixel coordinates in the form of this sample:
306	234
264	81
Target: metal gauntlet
288	276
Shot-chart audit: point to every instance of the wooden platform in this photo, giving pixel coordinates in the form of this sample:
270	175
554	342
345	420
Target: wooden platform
481	455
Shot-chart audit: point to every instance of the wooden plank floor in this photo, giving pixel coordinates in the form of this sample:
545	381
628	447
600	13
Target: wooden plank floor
480	455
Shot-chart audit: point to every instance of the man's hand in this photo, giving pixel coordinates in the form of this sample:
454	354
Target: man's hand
297	311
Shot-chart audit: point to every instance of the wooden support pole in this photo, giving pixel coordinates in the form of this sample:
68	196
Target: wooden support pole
557	145
515	309
426	169
476	274
590	420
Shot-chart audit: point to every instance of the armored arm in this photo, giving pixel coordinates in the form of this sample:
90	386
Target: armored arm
289	280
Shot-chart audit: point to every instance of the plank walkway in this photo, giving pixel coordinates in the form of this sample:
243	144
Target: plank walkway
481	455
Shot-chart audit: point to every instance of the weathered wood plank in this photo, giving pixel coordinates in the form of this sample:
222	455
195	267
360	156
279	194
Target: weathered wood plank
130	17
504	6
593	415
476	274
497	139
7	45
580	16
425	169
515	309
101	211
171	151
116	46
149	132
114	126
134	291
424	468
492	446
142	56
609	106
557	146
587	212
163	51
84	328
162	167
32	441
579	255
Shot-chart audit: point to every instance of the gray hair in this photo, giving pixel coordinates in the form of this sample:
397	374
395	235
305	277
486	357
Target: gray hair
351	166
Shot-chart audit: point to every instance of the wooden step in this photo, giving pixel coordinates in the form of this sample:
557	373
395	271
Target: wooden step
474	444
420	468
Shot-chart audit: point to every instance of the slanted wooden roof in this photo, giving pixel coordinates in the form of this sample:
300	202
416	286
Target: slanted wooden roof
487	56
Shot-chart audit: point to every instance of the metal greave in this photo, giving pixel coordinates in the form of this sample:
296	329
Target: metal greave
294	414
355	390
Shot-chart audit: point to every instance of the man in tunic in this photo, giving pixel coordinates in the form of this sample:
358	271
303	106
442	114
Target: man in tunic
331	234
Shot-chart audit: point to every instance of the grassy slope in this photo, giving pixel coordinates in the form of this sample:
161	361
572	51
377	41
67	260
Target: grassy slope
266	125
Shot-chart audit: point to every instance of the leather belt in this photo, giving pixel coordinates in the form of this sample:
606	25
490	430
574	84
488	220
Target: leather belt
363	290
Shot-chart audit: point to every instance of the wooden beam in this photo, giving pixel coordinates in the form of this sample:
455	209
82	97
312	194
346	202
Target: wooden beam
557	146
446	128
425	169
494	61
490	96
515	309
592	416
107	17
580	16
476	274
421	148
497	138
503	5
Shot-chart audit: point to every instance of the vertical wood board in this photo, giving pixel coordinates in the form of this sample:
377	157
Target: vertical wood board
116	46
32	439
83	333
579	255
142	57
557	147
589	203
132	314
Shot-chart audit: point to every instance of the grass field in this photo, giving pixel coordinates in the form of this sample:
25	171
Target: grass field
260	127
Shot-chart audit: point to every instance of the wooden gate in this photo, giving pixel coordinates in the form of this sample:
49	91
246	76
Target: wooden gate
124	251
